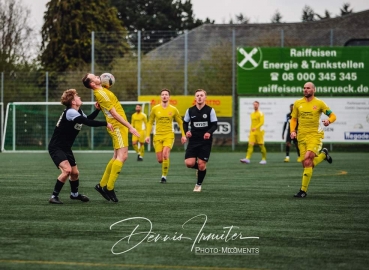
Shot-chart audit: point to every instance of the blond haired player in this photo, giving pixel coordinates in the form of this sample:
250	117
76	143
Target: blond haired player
115	115
163	115
256	135
139	122
307	111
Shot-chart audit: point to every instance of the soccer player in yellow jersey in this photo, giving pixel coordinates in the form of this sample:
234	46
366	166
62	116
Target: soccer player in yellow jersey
163	115
139	122
115	115
307	112
256	135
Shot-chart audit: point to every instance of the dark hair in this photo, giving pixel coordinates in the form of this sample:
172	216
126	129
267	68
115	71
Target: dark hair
86	81
164	89
257	102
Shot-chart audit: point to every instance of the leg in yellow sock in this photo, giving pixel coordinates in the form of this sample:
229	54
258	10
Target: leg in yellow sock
104	180
135	147
250	150
319	158
115	170
263	152
165	167
306	176
142	149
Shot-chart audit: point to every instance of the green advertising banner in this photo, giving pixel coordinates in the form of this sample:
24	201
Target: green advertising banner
335	71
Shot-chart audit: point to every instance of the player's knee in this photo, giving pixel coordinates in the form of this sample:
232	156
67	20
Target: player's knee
189	163
74	174
202	166
66	172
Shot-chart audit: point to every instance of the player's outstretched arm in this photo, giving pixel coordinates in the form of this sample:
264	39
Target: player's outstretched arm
121	120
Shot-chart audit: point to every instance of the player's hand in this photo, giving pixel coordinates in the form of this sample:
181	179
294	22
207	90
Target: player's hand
110	126
97	106
147	140
188	134
207	136
293	135
183	139
134	131
253	129
326	122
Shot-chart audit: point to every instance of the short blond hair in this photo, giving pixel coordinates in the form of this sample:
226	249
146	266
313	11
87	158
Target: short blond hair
68	96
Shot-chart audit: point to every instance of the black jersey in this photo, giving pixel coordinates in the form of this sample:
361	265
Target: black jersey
287	124
66	129
202	121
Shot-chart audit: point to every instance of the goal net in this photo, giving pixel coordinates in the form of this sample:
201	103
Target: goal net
29	126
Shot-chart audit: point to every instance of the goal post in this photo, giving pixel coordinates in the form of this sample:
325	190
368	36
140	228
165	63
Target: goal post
28	126
1	125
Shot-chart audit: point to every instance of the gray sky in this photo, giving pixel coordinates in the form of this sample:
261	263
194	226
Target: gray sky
258	11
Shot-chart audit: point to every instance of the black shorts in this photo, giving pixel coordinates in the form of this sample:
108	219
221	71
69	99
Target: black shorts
198	150
59	155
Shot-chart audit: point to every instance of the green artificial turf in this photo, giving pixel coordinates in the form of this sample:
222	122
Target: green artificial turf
326	230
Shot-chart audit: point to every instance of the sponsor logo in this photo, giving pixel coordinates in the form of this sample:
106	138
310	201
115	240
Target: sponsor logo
357	136
200	124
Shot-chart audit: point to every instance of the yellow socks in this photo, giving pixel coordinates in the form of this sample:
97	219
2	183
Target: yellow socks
308	172
104	180
114	173
135	147
250	149
319	159
165	167
142	149
263	152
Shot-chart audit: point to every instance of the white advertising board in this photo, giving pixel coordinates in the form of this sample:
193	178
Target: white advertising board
351	126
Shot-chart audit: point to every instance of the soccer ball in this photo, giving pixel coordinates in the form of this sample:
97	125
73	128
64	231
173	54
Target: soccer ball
107	80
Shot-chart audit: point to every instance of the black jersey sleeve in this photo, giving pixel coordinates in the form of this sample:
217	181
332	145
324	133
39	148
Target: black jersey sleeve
89	122
213	127
94	114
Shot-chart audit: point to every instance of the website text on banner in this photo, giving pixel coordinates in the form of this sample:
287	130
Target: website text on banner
338	71
352	125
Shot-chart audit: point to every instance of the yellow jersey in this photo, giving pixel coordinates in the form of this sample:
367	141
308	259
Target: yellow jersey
308	115
257	120
139	121
107	100
163	118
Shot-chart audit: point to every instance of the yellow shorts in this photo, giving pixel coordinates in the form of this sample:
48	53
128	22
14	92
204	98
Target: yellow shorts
160	141
140	139
311	143
119	137
256	137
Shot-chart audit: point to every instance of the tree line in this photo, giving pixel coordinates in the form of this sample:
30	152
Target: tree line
67	27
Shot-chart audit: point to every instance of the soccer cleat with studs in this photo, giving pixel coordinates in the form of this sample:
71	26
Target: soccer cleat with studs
111	194
55	200
99	189
197	188
263	162
287	159
81	197
163	180
327	156
245	160
300	194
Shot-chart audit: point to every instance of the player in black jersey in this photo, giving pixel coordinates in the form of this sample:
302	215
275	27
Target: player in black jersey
288	138
60	146
203	124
